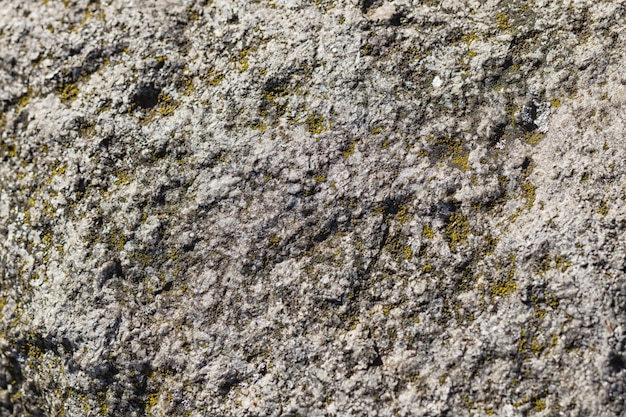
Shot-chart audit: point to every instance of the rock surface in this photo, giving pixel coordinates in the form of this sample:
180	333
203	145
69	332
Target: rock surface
312	207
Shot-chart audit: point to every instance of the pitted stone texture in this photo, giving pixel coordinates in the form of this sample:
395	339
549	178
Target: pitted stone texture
312	207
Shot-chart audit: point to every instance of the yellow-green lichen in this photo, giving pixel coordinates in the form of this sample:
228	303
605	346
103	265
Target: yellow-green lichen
503	21
142	258
315	123
536	347
215	78
603	209
457	230
123	178
350	151
274	241
522	345
167	106
104	409
558	262
117	239
25	99
193	14
188	86
260	127
376	129
451	147
68	92
242	59
461	160
562	263
554	342
324	5
402	214
506	286
86	128
468	38
397	246
533	138
408	253
529	195
59	169
539	405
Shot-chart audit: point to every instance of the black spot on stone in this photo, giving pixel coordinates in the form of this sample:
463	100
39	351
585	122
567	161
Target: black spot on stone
93	60
396	20
497	133
233	19
106	141
329	228
378	361
167	287
75	50
508	62
228	381
146	96
616	363
111	269
368	4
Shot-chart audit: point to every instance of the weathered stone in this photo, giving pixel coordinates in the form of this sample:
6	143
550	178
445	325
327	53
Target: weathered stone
312	207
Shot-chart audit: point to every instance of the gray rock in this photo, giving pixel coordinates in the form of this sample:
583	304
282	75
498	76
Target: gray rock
314	208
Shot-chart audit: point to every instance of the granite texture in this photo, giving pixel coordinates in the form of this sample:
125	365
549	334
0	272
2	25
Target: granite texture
313	208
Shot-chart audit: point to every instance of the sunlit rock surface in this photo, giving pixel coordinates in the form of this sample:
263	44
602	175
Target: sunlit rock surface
312	207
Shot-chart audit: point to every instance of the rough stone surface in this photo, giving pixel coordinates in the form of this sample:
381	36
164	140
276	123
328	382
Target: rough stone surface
312	207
